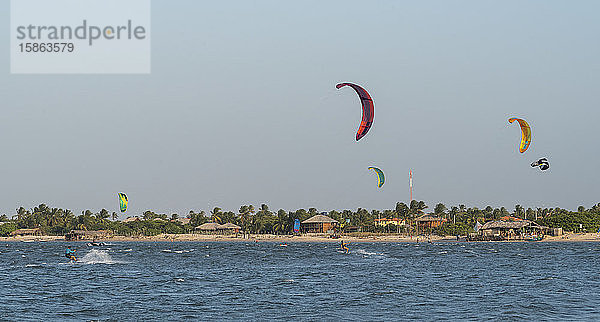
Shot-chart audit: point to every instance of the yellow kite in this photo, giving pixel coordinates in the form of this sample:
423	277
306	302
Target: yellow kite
525	133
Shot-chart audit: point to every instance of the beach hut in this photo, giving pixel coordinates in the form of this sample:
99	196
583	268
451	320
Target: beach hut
86	234
429	221
27	232
229	228
389	221
509	218
352	229
557	231
183	221
208	228
514	229
319	224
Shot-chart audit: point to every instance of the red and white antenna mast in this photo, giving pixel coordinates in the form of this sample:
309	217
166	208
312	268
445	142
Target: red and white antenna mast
410	183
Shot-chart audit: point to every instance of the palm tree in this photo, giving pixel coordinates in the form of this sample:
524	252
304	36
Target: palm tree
246	216
401	211
102	215
529	214
263	219
364	219
54	218
228	216
68	219
416	208
87	219
487	213
518	211
215	215
197	219
453	212
21	214
282	220
440	209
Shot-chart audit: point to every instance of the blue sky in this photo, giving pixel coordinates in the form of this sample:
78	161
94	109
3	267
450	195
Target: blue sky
241	108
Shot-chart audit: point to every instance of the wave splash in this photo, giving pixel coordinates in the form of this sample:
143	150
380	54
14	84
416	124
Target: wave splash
96	256
366	253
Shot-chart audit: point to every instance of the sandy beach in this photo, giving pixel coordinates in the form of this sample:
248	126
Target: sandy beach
569	237
217	238
572	237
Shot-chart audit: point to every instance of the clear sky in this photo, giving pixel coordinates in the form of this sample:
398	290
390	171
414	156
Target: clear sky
241	108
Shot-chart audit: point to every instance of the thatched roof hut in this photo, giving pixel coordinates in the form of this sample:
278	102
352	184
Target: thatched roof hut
213	227
513	229
183	221
86	234
208	226
429	221
229	226
27	232
319	219
319	224
509	218
428	217
501	224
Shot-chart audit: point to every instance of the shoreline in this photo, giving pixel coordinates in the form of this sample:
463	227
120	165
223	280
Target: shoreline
569	237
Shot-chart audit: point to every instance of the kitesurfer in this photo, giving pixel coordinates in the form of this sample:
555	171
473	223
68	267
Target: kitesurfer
344	247
70	253
542	164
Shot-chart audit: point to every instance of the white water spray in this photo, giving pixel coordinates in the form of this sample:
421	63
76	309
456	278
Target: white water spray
96	256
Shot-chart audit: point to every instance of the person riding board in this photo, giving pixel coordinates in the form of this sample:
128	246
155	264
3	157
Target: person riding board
344	247
70	254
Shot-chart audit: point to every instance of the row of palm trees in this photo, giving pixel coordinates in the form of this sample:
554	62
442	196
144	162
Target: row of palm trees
263	220
58	220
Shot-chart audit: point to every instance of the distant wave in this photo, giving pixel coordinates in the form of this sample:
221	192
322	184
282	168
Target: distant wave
33	265
178	251
366	253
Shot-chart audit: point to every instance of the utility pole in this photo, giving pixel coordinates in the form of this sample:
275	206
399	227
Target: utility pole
410	185
411	198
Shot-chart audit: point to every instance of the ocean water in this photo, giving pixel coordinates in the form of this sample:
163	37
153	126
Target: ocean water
133	281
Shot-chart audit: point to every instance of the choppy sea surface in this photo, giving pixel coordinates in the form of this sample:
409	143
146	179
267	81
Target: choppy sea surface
133	281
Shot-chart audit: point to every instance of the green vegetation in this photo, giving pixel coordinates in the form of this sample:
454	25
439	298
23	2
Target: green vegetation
459	220
6	229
